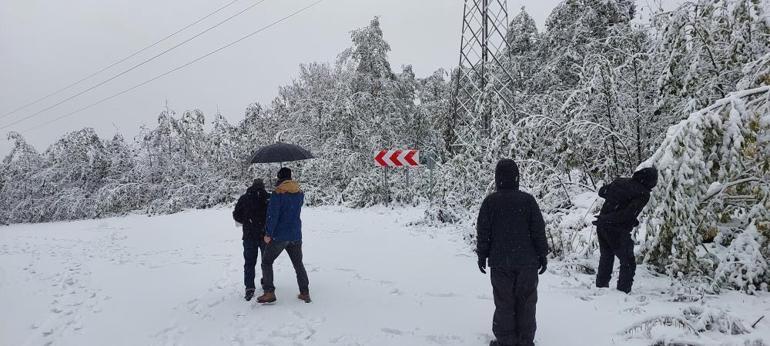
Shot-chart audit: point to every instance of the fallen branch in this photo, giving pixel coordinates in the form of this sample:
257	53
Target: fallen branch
645	327
757	322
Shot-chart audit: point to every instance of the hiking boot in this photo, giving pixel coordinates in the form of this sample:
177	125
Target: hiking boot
304	296
249	294
268	297
497	343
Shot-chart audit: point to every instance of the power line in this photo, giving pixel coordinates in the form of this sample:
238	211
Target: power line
135	66
119	61
173	70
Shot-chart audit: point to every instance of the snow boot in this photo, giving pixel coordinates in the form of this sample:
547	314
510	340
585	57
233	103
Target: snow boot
249	294
268	297
497	343
304	296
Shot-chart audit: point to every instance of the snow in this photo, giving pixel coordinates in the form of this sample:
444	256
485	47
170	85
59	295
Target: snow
377	278
586	200
715	188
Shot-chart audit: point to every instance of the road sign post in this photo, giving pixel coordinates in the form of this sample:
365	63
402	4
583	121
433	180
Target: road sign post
396	159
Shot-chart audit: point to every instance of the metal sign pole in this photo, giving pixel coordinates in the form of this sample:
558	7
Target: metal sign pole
430	188
397	159
406	173
431	165
387	188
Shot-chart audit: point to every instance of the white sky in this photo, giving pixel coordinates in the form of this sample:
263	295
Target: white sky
47	44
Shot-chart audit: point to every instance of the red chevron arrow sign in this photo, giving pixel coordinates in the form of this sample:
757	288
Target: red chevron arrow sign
397	158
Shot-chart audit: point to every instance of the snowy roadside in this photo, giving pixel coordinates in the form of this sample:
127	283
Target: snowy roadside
176	280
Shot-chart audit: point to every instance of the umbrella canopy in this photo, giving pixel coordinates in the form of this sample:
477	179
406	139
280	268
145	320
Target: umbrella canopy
280	152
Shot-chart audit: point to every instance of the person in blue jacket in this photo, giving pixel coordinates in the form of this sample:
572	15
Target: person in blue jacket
284	232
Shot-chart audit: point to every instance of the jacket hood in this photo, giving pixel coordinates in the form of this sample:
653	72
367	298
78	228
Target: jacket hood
507	175
647	177
253	189
288	186
258	183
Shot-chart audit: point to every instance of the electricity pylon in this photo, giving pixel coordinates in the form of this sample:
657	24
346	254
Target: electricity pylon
483	77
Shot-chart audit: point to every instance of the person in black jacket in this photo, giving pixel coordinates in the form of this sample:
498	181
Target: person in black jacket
251	212
624	199
511	238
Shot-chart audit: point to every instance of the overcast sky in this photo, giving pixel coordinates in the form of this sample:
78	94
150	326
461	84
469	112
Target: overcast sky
47	44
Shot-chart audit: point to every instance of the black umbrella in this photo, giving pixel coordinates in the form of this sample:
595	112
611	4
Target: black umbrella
280	152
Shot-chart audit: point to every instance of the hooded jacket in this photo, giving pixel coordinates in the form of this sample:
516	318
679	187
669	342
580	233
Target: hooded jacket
251	211
510	227
624	200
283	213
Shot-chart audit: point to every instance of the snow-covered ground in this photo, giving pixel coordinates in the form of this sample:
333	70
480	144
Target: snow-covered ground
375	280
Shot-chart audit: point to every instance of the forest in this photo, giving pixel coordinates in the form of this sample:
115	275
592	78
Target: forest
597	94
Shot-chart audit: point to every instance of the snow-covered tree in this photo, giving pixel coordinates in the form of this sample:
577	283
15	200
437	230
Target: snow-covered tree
702	48
592	95
20	181
715	184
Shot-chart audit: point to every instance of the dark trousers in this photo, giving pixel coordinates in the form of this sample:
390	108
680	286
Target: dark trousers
515	293
616	243
294	249
251	249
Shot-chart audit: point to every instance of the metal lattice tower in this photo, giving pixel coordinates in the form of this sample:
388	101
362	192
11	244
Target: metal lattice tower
483	78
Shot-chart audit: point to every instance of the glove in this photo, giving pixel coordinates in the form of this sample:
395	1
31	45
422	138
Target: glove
543	265
483	264
597	220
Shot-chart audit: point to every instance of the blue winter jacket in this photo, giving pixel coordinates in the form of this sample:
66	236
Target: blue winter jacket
283	212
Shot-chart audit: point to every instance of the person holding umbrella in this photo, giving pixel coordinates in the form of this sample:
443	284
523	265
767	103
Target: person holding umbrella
284	232
283	225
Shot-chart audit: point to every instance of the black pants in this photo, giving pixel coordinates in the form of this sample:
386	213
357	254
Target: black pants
616	243
515	293
251	249
272	250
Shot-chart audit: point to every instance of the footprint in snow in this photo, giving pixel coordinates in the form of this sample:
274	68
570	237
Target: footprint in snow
171	335
392	331
445	339
345	340
441	295
634	310
290	331
484	338
312	269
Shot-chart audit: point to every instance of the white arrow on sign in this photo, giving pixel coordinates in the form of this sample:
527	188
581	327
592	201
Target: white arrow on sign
397	158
